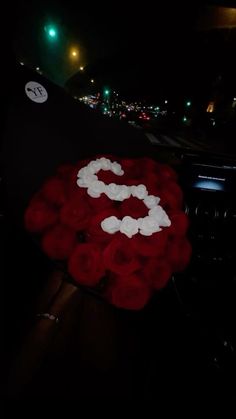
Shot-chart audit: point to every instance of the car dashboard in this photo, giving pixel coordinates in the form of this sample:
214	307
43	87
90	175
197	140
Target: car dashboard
205	291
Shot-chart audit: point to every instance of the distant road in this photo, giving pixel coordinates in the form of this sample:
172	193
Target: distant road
173	141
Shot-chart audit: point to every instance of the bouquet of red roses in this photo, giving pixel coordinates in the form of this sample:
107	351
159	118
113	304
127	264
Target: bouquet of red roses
113	222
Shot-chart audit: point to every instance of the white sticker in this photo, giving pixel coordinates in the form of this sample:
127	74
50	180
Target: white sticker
36	92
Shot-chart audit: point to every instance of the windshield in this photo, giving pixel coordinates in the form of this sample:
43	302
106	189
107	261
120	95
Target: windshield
168	70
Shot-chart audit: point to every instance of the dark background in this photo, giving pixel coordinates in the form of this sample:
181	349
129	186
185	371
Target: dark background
146	50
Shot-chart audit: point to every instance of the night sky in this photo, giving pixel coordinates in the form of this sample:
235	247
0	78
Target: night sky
142	50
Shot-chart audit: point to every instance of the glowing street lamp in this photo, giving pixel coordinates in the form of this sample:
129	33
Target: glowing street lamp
74	53
51	32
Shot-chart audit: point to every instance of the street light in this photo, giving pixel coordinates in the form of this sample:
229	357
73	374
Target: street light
81	68
51	32
74	54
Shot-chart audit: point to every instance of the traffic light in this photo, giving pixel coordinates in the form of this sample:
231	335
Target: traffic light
51	32
106	92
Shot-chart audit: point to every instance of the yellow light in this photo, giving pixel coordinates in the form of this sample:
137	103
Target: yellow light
81	68
74	53
210	107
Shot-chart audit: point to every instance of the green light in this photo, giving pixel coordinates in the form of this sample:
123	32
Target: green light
106	92
184	119
51	31
188	103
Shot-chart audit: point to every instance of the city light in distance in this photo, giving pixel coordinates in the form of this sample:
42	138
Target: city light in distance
74	53
51	32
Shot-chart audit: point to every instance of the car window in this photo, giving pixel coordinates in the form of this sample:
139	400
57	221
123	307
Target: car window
169	71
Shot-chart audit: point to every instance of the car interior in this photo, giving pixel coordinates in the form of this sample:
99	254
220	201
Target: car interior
183	343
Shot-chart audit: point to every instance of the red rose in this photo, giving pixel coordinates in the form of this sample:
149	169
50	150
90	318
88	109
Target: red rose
59	242
64	171
148	165
166	172
94	232
76	213
154	245
132	170
179	253
152	182
169	200
133	207
107	177
175	189
99	204
179	223
119	256
39	216
54	191
129	181
157	273
86	264
72	186
129	292
138	168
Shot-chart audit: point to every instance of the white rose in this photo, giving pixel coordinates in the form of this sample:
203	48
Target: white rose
159	213
165	221
84	171
80	183
116	169
140	220
86	180
139	191
111	224
151	201
96	188
129	226
124	193
105	163
94	166
148	226
112	191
